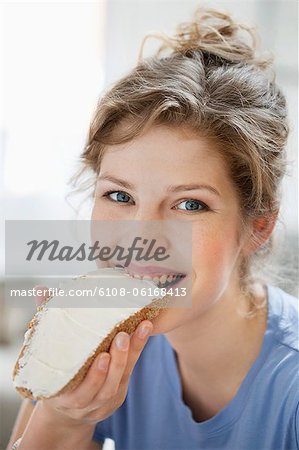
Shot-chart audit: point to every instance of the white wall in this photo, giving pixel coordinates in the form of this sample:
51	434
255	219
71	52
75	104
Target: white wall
53	73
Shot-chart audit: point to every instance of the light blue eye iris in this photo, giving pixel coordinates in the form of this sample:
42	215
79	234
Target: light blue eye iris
120	196
191	205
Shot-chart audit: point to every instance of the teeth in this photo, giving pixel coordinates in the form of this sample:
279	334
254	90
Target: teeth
163	279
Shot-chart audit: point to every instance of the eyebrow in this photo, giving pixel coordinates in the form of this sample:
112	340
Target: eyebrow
171	188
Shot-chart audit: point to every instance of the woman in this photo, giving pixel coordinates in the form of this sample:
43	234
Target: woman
224	373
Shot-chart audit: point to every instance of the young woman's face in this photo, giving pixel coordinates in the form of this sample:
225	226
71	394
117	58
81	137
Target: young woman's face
167	156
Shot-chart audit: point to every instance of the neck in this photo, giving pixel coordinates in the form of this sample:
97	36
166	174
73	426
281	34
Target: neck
216	350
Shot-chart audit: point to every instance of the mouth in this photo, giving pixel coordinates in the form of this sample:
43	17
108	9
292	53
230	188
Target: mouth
165	281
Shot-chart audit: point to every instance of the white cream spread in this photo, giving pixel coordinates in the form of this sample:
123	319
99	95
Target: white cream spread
64	338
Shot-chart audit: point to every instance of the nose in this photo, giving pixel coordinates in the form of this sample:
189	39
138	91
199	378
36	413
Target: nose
147	212
148	231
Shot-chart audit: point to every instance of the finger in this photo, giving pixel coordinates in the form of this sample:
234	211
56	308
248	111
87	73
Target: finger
137	343
93	381
119	354
42	293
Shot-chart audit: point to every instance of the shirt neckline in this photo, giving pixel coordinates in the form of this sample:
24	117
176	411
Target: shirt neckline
233	410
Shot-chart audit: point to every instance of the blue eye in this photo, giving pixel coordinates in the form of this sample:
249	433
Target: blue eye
120	196
192	205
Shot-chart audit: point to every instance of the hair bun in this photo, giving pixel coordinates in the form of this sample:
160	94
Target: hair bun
213	33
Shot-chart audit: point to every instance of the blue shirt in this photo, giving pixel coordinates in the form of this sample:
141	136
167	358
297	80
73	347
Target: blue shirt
263	415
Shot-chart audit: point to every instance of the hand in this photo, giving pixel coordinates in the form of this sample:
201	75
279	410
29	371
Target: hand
104	389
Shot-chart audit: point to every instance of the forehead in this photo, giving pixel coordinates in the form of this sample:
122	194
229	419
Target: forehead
165	157
182	143
168	151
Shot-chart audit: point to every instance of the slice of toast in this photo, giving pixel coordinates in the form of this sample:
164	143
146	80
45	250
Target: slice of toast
61	343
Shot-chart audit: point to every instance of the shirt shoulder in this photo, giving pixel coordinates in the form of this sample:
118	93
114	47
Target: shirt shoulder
280	369
284	318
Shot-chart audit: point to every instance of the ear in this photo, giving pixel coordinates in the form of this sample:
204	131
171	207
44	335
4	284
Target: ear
261	230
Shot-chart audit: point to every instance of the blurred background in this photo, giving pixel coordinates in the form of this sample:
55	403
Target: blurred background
57	57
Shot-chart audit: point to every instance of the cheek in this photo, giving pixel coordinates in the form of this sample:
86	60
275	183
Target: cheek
102	212
214	253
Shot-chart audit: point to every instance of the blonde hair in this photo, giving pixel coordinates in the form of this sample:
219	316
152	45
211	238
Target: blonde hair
208	78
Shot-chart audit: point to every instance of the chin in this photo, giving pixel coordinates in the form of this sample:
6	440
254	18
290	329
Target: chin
168	319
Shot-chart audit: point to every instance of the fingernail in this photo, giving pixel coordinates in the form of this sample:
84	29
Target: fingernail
103	362
122	341
143	331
